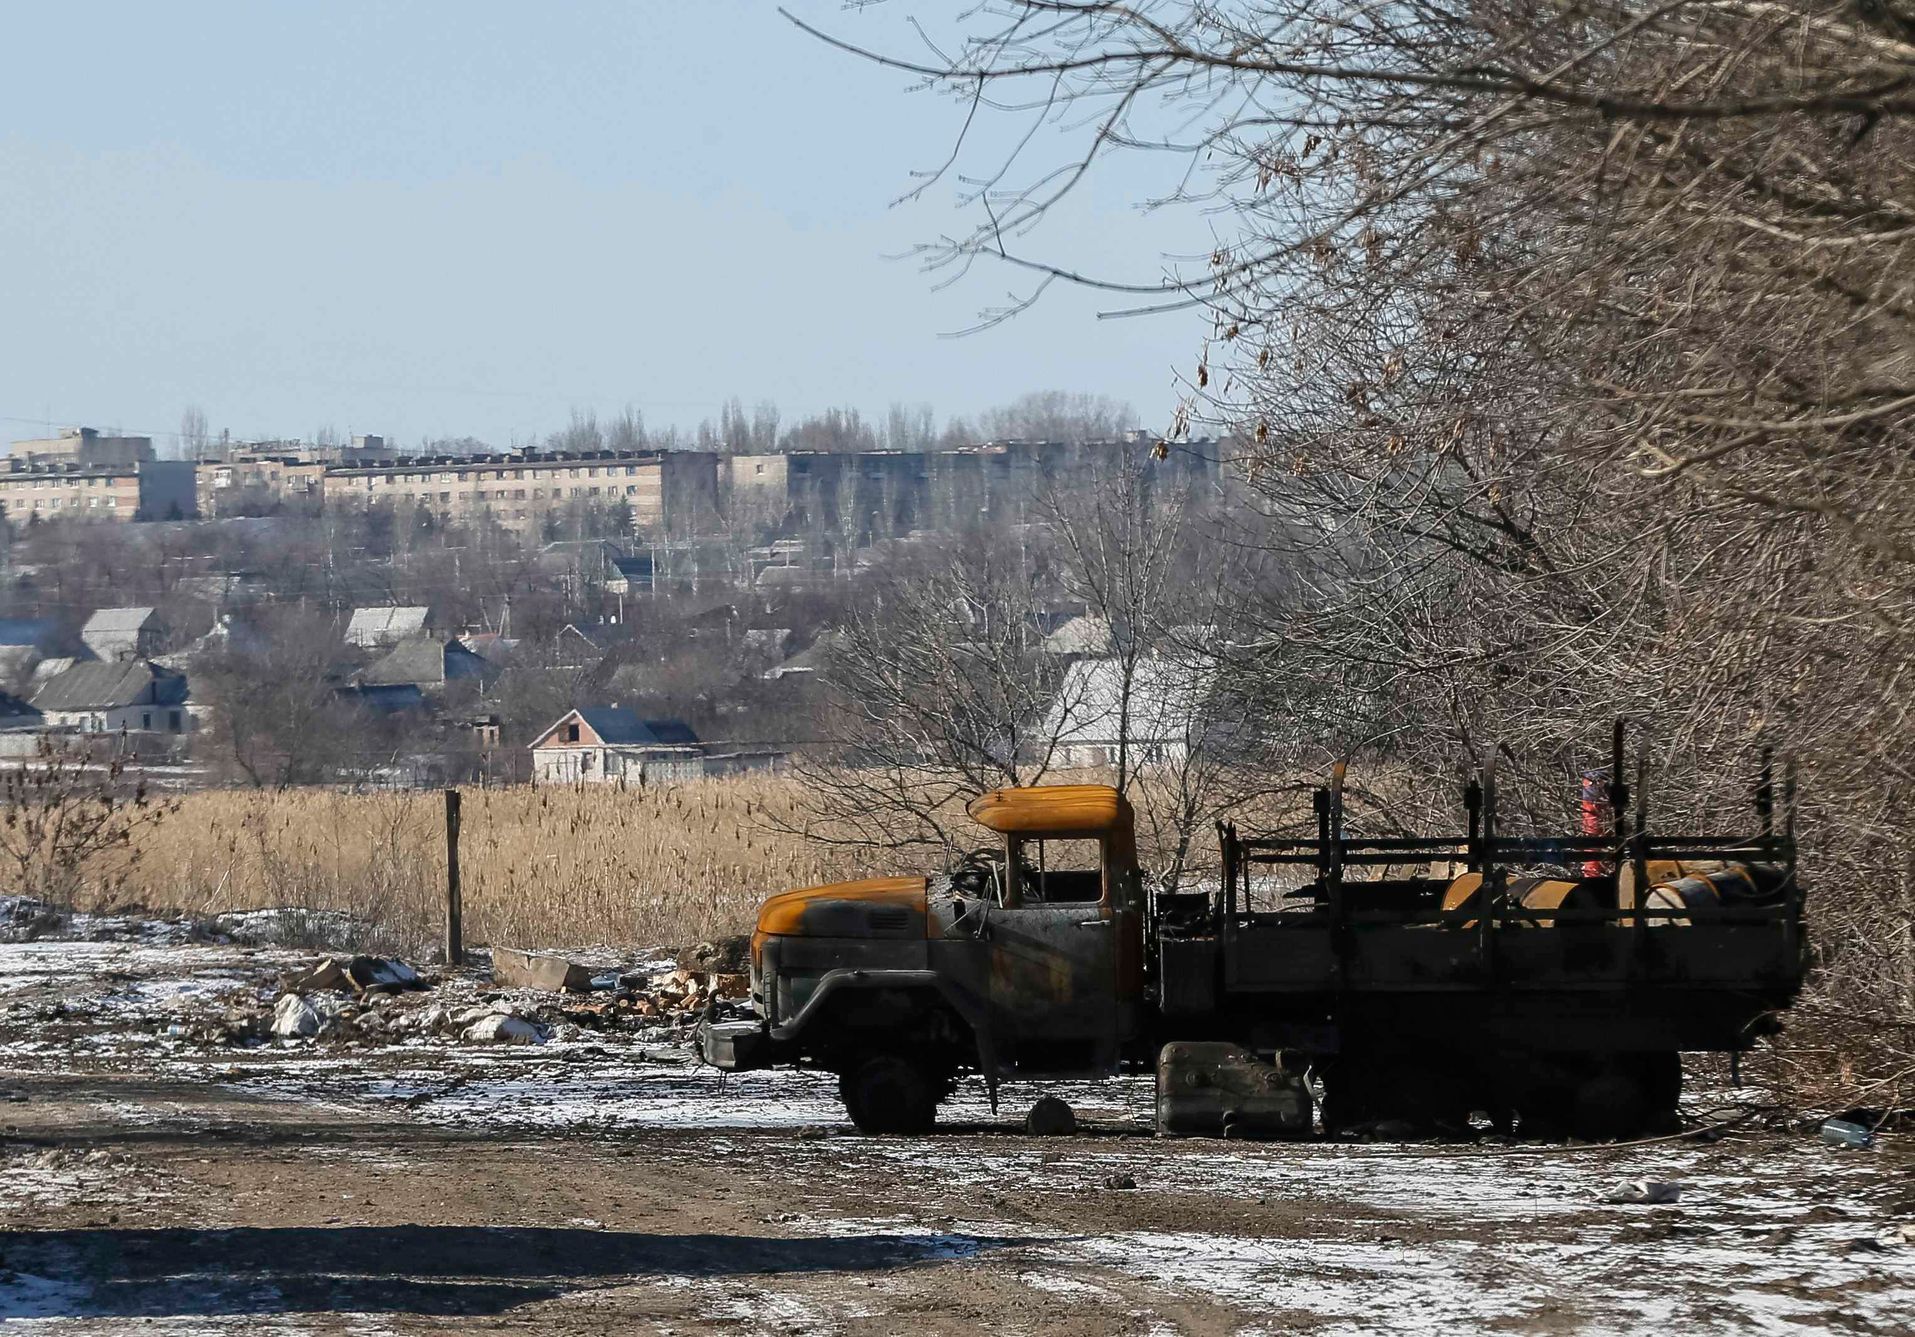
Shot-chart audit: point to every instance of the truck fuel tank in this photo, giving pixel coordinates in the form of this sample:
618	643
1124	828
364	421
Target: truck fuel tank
1215	1089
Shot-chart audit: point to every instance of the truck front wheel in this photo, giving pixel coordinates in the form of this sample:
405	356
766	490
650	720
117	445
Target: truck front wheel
890	1093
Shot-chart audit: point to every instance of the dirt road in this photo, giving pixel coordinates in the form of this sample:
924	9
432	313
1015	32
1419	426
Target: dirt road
595	1184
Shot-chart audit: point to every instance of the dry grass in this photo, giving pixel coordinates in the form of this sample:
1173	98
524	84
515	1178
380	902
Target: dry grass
539	866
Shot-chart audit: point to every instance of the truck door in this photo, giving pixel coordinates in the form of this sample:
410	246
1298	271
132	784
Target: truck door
1053	946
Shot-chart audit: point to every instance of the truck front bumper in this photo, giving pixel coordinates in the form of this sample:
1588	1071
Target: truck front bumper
734	1046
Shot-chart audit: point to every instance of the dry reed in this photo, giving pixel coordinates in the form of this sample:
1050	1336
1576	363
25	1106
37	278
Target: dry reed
539	866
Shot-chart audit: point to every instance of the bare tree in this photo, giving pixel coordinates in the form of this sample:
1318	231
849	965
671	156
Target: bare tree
194	434
1057	415
272	712
939	689
67	822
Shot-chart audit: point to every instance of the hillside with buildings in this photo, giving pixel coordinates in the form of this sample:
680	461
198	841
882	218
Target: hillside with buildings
284	612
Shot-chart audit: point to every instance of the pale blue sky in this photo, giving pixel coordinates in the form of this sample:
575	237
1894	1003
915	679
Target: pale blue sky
471	218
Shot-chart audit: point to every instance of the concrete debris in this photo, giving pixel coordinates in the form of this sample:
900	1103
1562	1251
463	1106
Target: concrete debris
516	969
294	1017
503	1028
726	956
362	975
1050	1117
1644	1191
64	1158
326	975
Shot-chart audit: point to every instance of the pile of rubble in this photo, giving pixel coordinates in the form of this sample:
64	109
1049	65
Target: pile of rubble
375	1000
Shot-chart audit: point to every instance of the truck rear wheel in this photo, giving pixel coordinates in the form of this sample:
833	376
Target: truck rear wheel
890	1093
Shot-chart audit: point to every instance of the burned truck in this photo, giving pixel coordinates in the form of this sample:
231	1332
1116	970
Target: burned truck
1549	983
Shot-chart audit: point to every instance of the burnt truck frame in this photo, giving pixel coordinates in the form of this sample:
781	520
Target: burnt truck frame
1421	998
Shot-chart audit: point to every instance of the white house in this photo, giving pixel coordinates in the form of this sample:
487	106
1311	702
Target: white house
607	744
1166	716
135	695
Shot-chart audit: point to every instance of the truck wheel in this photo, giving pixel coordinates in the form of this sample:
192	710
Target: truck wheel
1661	1076
1611	1104
889	1093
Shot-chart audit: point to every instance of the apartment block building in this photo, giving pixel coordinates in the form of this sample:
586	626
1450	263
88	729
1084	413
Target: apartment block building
86	447
146	490
859	497
250	483
666	491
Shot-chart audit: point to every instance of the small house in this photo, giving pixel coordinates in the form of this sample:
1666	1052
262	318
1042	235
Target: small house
381	628
1160	717
133	695
427	664
115	634
609	744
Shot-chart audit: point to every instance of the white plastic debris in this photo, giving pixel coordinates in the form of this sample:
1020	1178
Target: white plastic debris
503	1028
293	1016
1649	1191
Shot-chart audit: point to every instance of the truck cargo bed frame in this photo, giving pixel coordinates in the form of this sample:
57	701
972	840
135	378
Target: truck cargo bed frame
1696	975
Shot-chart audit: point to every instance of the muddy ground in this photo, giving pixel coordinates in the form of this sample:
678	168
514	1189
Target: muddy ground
158	1181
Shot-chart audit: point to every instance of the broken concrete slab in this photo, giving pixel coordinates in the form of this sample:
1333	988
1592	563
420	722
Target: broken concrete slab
294	1017
538	970
326	975
503	1028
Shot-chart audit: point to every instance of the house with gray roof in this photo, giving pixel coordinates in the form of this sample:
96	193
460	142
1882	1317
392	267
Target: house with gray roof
610	744
136	695
428	664
378	628
124	633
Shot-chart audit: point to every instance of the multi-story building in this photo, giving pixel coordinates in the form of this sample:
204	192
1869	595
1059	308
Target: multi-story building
84	446
859	497
146	490
665	491
250	484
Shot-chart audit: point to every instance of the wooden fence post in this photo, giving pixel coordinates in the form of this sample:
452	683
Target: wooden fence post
455	935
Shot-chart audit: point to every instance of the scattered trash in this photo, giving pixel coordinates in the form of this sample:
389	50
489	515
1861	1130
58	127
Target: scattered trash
503	1028
1647	1191
1842	1133
1119	1181
293	1016
372	974
516	969
1050	1117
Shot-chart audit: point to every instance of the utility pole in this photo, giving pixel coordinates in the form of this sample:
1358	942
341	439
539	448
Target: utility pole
455	929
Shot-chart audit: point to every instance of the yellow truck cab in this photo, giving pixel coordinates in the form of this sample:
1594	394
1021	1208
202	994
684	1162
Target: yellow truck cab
1027	958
